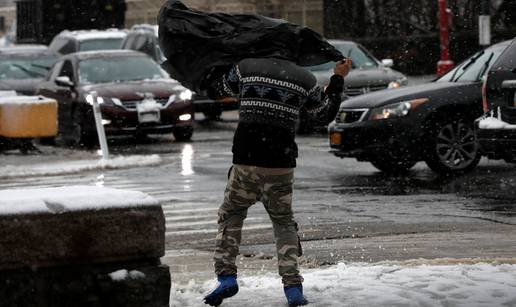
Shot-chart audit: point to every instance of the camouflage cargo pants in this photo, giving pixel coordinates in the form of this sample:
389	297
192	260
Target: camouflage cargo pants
273	187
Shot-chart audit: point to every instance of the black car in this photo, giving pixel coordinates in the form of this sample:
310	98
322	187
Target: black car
394	129
136	96
497	128
68	42
24	67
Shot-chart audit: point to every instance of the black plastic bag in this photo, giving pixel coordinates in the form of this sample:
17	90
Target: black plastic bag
200	44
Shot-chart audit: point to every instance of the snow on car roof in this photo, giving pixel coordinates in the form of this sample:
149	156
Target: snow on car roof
105	53
70	199
17	49
145	27
82	35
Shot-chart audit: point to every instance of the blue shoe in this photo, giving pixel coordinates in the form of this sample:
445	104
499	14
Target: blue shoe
295	296
227	288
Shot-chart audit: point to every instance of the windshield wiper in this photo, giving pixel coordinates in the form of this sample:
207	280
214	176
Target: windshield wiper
28	71
466	66
486	66
41	66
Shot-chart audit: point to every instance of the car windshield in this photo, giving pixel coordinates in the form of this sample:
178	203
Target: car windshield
360	58
118	69
100	44
474	68
25	67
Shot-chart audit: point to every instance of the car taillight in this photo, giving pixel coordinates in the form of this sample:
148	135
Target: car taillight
485	104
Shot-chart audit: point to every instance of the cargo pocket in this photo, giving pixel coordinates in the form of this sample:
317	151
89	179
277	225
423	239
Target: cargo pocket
299	248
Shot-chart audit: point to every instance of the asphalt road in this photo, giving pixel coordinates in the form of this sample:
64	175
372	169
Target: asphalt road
346	210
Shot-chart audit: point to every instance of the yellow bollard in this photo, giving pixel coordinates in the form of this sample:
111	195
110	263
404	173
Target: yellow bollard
28	117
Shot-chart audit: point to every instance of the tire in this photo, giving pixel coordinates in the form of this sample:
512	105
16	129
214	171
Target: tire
183	134
76	136
453	148
392	165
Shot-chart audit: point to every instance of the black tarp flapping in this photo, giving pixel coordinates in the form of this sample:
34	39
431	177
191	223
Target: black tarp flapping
199	43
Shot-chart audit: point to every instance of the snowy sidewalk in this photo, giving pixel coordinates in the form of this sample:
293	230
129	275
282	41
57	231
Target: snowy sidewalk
401	284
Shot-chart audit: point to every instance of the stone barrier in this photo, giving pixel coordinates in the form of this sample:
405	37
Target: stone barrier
81	246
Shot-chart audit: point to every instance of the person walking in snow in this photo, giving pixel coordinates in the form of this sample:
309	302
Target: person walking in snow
271	92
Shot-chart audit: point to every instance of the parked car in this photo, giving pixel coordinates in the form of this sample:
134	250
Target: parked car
394	129
24	67
368	75
68	42
496	131
144	38
135	95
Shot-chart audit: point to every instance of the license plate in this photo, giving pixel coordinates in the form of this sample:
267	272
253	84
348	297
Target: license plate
148	112
335	138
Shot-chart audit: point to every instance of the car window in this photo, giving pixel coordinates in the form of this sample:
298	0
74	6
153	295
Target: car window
100	44
360	57
54	72
67	70
474	68
25	67
507	59
57	44
117	69
63	45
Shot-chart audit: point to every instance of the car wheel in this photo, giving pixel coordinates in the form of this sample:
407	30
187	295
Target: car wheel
392	165
453	148
78	137
183	134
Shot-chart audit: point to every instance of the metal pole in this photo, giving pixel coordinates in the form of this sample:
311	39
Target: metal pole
445	64
100	128
484	24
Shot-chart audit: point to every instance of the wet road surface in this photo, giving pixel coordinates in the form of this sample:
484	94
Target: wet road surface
346	211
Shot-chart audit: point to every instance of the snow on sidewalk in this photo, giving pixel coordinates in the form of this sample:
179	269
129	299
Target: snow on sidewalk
72	167
467	285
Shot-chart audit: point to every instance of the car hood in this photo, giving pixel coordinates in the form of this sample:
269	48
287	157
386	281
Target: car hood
22	86
384	97
134	90
361	77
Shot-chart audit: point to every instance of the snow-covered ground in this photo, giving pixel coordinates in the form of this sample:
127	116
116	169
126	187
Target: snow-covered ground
76	166
384	284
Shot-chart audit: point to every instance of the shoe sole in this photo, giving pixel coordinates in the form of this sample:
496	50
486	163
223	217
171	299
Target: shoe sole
226	293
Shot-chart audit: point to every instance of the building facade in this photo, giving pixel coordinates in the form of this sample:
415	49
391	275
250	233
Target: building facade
305	12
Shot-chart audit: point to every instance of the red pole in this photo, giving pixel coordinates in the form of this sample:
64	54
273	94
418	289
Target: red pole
445	64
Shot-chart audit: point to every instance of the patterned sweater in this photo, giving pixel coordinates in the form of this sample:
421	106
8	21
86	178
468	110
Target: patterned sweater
271	93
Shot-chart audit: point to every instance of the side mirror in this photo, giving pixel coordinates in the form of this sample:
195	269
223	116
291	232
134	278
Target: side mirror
64	81
387	62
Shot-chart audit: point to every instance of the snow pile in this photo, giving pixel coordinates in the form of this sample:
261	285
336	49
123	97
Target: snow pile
375	285
9	99
72	198
122	275
494	123
72	167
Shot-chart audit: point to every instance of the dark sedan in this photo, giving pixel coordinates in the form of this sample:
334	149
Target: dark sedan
135	95
394	129
497	129
24	67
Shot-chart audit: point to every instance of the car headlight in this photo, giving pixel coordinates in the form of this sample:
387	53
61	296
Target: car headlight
90	99
396	110
398	83
186	95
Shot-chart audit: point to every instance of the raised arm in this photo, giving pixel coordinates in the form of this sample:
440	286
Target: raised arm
323	105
